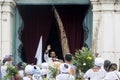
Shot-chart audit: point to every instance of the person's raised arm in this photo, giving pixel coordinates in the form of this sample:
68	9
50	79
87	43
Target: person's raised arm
46	54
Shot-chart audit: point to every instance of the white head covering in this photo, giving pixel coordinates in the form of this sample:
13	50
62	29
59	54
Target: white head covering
36	70
64	68
29	69
99	62
36	73
44	65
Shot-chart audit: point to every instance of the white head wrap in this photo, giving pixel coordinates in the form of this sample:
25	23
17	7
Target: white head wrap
99	62
64	68
29	69
36	73
36	70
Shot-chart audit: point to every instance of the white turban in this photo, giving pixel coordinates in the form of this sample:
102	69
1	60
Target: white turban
99	62
65	68
29	69
36	70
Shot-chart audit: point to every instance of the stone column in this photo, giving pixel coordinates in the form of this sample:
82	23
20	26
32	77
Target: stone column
6	27
106	34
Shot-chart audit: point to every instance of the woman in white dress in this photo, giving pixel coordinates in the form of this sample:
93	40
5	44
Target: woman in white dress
113	74
97	72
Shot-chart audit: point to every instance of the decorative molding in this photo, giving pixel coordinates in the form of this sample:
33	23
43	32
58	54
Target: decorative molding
104	1
107	1
94	2
117	6
105	5
7	6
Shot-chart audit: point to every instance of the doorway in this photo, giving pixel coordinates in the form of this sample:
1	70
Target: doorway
39	20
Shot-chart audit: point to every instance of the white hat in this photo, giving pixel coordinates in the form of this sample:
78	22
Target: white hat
99	62
29	69
64	68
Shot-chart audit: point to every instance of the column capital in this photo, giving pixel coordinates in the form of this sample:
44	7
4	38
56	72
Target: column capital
7	6
105	5
117	6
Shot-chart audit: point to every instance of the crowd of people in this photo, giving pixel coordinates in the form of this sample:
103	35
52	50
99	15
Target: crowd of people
102	70
65	68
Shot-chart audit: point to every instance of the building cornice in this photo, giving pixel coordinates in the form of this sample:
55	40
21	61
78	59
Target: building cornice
106	5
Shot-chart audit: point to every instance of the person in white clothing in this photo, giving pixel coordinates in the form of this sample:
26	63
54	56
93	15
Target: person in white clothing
52	57
113	74
68	60
97	72
32	73
6	61
28	72
65	73
36	73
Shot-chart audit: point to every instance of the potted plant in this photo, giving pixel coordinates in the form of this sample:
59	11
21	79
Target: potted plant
83	60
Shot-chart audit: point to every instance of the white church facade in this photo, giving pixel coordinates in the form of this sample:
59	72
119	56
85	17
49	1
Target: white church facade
103	37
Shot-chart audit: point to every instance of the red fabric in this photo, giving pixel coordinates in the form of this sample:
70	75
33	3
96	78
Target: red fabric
72	17
38	21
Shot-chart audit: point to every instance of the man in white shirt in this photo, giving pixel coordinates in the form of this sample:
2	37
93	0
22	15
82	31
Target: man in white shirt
52	57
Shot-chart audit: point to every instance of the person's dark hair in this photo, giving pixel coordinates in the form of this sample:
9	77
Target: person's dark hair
21	65
106	64
68	57
4	60
112	67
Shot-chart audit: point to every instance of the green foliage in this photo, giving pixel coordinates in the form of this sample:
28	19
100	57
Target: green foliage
53	71
23	65
11	71
83	59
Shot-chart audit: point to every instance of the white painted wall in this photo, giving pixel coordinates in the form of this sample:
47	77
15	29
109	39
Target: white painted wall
106	26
